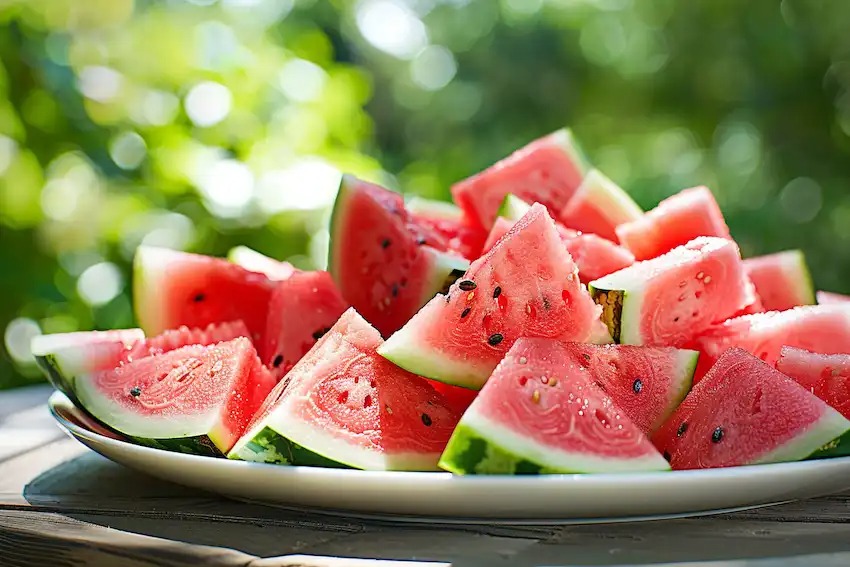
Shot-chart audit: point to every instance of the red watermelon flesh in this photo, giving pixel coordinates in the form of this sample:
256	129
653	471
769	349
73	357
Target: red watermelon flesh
745	412
385	264
674	222
447	220
457	398
828	297
781	280
599	206
825	375
527	285
823	329
302	309
546	171
172	399
184	336
647	383
173	289
541	412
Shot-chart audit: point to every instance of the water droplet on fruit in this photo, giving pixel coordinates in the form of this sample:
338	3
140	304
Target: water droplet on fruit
523	360
426	419
544	379
637	386
682	428
717	435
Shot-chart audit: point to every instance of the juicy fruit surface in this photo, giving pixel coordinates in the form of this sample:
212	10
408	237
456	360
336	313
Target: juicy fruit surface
827	297
670	299
191	391
173	289
546	171
825	375
302	309
445	219
526	285
253	261
599	206
646	383
378	255
746	412
674	222
782	280
541	412
184	336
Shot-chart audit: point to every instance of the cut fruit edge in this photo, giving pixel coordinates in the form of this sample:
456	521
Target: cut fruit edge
608	197
254	261
419	206
829	427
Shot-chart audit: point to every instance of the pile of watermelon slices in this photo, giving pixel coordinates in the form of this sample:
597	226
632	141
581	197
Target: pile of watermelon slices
543	324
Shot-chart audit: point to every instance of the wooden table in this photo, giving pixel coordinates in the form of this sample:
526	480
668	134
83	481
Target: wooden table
61	505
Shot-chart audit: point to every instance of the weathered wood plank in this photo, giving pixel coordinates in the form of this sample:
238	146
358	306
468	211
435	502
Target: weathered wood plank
25	421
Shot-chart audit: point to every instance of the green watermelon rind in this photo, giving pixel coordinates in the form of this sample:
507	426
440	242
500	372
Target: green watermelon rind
433	209
839	447
268	446
683	376
481	446
201	445
805	286
821	437
337	213
513	208
609	197
59	378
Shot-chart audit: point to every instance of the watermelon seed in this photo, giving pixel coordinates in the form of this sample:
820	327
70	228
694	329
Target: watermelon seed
523	360
682	428
546	304
467	285
497	292
394	290
426	419
389	409
535	397
495	339
667	456
585	356
136	392
421	241
320	333
470	295
707	280
386	243
637	386
199	297
717	435
367	401
700	275
342	397
278	360
465	312
676	319
683	283
553	381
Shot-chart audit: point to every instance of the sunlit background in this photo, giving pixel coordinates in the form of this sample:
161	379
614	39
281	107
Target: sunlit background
201	124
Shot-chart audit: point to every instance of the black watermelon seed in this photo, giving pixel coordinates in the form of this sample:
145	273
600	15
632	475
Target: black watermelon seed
675	319
421	241
495	339
497	292
386	243
546	304
585	356
394	290
320	333
199	297
667	456
136	392
682	428
278	360
637	386
467	285
717	435
426	419
465	312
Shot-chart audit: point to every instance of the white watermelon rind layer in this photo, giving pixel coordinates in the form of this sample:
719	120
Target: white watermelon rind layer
608	197
829	427
506	452
795	265
686	366
432	209
513	208
620	311
150	273
565	140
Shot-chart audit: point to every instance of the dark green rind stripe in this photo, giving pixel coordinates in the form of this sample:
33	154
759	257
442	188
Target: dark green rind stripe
337	215
198	445
468	452
268	446
837	448
50	367
611	301
451	278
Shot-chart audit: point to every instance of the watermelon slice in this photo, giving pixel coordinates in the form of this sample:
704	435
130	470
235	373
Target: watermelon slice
647	383
599	206
380	258
174	288
448	221
745	412
527	285
674	222
303	308
457	398
668	300
828	297
782	280
540	412
547	171
346	406
823	329
184	336
196	399
253	261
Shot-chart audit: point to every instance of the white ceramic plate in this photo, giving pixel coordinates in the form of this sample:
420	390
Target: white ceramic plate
443	497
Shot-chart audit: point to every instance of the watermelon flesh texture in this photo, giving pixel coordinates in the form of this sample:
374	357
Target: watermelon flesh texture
385	265
457	398
547	171
599	206
674	222
346	406
669	300
781	280
825	375
173	289
828	297
746	412
541	412
646	383
447	220
253	261
195	399
302	309
184	336
527	285
823	329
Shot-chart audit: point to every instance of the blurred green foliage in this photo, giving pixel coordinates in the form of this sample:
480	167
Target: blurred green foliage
201	124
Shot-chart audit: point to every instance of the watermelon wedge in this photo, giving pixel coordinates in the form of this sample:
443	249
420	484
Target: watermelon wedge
782	280
547	171
196	399
646	383
599	206
527	285
303	308
670	299
828	297
823	329
184	336
745	412
346	406
674	222
253	261
447	220
385	264
541	412
172	289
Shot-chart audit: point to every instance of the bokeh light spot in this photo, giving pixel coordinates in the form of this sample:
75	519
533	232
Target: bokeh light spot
99	83
801	199
19	333
307	184
208	103
227	187
100	283
127	150
301	80
391	27
433	68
